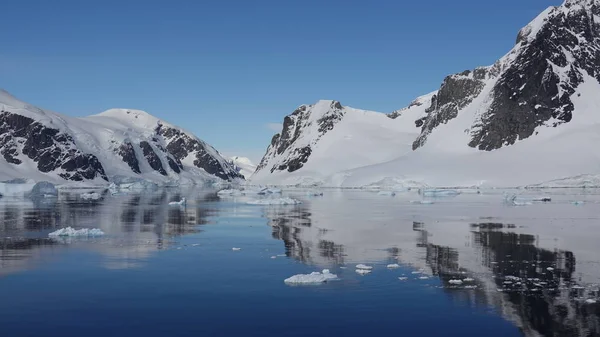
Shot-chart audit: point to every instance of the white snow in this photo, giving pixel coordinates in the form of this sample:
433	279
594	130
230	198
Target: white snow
312	278
366	148
276	201
245	165
71	232
101	135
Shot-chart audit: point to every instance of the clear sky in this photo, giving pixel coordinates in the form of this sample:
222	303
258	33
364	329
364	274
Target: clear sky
230	70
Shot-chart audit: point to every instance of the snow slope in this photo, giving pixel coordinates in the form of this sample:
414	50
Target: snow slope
43	145
532	118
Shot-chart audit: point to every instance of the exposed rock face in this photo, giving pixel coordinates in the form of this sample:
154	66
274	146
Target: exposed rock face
51	149
117	141
152	158
530	87
456	92
309	123
127	153
181	146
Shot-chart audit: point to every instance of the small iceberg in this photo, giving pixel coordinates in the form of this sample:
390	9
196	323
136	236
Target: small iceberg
363	267
387	193
314	193
278	201
235	249
403	278
312	278
90	196
72	232
516	201
230	192
393	266
422	202
468	279
456	282
268	190
590	301
363	271
180	203
439	193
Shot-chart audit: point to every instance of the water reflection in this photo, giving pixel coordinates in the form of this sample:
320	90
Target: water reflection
136	226
535	288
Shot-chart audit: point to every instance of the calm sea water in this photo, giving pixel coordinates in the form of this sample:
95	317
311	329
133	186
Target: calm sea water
168	271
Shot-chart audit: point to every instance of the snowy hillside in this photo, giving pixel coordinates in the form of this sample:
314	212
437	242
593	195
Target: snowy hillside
530	118
244	166
43	145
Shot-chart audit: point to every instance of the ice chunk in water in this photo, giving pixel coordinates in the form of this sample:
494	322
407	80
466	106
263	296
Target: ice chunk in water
439	192
90	196
235	249
456	282
387	193
363	267
181	202
422	202
71	232
277	201
43	189
312	278
363	271
403	278
393	266
590	301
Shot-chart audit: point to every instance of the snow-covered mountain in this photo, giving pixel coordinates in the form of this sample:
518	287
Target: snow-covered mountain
43	145
531	117
244	165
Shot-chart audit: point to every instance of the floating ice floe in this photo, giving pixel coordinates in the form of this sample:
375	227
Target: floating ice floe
468	279
387	193
456	282
235	249
550	269
72	232
590	301
268	190
277	201
314	193
363	271
312	278
393	266
181	202
273	257
363	267
422	202
439	193
577	203
403	278
90	196
424	278
43	189
230	192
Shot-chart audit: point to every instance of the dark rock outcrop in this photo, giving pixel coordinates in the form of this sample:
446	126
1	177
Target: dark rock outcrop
48	147
152	158
127	153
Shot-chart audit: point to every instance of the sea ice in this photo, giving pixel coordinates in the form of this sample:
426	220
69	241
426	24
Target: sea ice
314	193
181	202
393	266
456	282
71	232
363	271
422	202
403	278
278	201
230	192
439	193
43	189
363	267
312	278
90	196
590	301
235	249
387	193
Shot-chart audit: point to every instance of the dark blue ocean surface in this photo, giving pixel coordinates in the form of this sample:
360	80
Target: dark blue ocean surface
169	271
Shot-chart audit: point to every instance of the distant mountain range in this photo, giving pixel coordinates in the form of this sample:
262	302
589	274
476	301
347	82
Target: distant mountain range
43	145
533	117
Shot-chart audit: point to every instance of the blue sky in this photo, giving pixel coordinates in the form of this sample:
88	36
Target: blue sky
229	71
